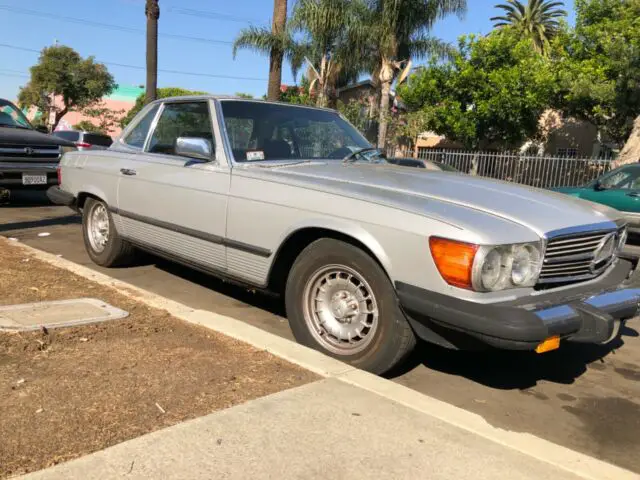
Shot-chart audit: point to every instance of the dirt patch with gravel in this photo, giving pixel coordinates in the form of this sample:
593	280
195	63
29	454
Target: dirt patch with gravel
69	392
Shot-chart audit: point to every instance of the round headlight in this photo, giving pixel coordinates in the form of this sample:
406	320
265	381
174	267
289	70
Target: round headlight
524	265
491	269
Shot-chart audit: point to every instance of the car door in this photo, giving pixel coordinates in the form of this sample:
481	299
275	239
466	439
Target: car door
172	204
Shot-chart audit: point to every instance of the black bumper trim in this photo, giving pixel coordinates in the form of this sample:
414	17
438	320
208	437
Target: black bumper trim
585	313
60	197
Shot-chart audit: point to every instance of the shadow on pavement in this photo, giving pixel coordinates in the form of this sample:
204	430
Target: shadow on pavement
46	222
263	301
507	370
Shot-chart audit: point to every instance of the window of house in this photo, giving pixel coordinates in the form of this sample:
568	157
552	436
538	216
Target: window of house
137	136
568	152
188	119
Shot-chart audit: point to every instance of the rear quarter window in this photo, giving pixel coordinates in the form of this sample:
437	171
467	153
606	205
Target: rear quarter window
71	136
100	140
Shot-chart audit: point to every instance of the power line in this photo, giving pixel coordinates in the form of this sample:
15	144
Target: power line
212	15
108	26
137	67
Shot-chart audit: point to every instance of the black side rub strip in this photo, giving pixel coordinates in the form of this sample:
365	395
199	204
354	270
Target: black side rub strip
207	237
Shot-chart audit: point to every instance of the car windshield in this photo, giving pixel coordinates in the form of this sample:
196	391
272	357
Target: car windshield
11	116
627	177
265	131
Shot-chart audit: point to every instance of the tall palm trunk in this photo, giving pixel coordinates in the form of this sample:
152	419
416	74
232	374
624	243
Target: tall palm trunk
323	96
386	79
275	61
152	11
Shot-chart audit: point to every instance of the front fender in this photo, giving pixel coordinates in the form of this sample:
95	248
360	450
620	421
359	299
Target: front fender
344	227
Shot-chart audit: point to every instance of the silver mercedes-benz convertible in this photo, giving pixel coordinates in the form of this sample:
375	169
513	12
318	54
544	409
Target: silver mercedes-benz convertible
369	256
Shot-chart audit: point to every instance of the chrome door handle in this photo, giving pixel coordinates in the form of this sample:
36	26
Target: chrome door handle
127	171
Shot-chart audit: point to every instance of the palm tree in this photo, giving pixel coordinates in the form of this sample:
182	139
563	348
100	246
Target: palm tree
152	11
276	54
400	33
538	19
324	34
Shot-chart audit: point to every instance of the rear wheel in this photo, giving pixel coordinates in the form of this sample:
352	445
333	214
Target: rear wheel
101	240
340	301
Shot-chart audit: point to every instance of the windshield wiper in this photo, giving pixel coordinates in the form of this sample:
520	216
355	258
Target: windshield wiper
353	155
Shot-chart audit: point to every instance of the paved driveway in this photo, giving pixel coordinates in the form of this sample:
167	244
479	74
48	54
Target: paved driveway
584	397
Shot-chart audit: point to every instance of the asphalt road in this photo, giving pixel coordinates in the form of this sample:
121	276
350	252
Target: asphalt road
583	397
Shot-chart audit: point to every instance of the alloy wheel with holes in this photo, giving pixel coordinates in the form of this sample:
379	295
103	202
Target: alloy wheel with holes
101	239
98	227
340	309
340	301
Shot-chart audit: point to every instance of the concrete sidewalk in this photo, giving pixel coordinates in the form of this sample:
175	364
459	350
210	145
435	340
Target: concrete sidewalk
326	429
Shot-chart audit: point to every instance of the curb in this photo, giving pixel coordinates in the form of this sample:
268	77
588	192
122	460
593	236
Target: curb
538	448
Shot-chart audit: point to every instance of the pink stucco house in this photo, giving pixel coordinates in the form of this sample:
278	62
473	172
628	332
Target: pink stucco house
122	99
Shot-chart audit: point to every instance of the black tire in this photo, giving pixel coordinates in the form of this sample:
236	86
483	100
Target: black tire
117	252
391	341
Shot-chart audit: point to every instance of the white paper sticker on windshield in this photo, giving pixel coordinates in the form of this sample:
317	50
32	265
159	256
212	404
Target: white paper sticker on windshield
253	155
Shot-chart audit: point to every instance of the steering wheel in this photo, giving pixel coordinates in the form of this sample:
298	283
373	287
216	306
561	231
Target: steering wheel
340	153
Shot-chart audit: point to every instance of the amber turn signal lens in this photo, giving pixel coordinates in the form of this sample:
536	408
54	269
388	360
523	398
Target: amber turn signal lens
551	343
454	260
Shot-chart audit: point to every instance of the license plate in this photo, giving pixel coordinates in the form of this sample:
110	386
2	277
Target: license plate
34	179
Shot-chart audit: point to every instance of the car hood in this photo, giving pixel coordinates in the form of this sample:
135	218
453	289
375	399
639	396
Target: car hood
20	136
420	190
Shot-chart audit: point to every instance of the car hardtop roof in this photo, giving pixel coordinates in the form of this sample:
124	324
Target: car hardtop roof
234	98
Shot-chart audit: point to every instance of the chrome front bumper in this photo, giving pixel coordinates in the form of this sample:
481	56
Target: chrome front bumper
596	319
591	312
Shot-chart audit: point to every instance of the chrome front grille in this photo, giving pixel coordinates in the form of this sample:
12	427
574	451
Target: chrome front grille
581	256
30	153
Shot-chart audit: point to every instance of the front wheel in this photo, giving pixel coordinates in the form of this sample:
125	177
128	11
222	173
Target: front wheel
340	301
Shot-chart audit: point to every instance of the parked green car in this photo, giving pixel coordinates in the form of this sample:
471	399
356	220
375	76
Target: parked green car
619	188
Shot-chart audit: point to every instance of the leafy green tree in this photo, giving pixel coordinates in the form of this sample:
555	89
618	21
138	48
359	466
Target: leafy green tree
161	93
598	65
243	95
105	118
88	126
399	32
539	20
494	91
62	73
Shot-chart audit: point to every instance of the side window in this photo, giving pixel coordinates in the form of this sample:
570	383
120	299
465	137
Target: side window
138	135
180	120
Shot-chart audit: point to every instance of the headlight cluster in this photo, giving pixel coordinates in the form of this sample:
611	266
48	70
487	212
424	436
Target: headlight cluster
506	266
487	267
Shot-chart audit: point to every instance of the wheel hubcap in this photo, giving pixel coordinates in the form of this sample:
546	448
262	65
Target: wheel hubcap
98	228
340	309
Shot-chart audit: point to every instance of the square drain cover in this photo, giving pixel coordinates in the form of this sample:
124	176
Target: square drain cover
63	313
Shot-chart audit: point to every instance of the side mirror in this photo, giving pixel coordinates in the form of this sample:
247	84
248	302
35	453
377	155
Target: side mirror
194	147
598	186
42	129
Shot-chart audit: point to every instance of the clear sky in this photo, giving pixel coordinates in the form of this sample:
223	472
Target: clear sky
211	24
